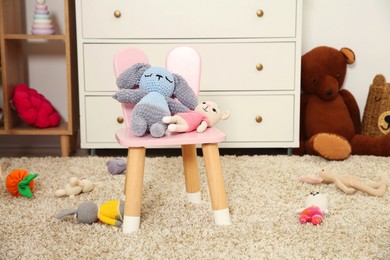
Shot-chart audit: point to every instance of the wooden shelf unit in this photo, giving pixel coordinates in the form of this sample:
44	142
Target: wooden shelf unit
14	37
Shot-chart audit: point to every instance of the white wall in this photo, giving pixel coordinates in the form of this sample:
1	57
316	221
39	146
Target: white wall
362	25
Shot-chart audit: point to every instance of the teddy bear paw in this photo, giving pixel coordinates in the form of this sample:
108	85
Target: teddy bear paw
331	146
386	144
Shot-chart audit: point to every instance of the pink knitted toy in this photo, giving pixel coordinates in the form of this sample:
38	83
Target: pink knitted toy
316	205
311	214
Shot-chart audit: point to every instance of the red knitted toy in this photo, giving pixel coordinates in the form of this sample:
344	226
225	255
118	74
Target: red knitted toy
33	108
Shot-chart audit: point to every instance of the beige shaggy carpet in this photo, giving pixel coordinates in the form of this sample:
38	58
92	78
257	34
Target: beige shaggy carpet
263	194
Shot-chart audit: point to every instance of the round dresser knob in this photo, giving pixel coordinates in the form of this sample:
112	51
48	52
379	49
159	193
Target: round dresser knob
120	119
260	13
117	14
259	119
259	66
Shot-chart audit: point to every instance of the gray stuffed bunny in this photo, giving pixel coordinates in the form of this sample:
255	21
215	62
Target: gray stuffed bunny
110	212
154	98
86	213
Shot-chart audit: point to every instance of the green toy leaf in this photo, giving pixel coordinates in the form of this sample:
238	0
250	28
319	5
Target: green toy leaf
23	185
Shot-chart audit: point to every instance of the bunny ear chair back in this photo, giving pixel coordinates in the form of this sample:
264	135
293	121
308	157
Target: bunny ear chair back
186	62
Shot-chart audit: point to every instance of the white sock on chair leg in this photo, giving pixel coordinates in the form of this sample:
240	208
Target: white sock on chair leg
131	224
194	197
222	217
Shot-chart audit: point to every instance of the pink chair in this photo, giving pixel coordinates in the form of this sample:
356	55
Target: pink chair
186	62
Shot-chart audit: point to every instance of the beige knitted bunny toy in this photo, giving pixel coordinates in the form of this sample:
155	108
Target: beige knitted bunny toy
348	183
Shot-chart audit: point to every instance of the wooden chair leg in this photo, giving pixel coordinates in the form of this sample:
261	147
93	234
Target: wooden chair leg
133	188
216	184
190	163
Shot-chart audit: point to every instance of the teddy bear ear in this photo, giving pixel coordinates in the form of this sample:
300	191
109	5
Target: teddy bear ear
379	80
349	55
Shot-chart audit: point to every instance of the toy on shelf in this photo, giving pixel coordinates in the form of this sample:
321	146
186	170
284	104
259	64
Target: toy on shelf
20	183
42	24
33	108
316	205
77	186
88	212
205	114
116	166
376	117
154	97
348	183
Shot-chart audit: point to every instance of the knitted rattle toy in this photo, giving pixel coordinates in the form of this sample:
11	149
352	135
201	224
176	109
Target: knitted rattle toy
348	183
88	212
20	183
160	93
205	115
316	205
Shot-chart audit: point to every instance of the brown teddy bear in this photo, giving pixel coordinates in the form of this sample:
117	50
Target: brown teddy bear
330	117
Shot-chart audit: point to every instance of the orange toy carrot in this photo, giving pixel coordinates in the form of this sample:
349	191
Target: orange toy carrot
20	182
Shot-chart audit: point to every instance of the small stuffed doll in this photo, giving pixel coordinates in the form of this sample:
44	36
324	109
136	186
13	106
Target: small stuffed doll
77	186
316	205
203	116
348	183
154	97
88	212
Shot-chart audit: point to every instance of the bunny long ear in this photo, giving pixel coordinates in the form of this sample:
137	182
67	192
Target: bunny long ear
131	76
310	179
184	93
66	212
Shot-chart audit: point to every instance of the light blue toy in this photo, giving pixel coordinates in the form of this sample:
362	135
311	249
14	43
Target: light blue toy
154	98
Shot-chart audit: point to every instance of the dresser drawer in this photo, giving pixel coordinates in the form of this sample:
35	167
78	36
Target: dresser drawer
229	66
173	19
276	112
276	126
101	113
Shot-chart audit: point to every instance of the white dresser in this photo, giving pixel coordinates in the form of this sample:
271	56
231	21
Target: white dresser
250	50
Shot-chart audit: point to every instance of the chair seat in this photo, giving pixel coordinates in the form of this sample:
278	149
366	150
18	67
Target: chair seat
126	138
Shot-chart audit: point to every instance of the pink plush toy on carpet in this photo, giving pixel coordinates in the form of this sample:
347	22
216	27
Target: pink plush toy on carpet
316	205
